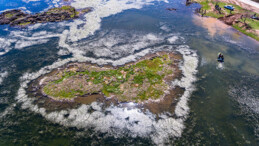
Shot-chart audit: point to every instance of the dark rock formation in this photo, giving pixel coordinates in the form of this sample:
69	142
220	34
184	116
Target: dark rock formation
171	9
19	18
200	11
189	2
231	19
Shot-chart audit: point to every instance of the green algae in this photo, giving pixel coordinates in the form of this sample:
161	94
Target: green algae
9	15
25	23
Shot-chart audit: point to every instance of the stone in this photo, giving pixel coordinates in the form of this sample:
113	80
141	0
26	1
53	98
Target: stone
19	18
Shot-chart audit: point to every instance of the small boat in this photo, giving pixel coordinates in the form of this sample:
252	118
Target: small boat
230	7
220	58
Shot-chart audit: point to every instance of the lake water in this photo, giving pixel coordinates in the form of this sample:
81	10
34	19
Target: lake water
223	105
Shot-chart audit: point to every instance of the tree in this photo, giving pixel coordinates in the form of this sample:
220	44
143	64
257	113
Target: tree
230	11
217	7
244	17
201	11
188	2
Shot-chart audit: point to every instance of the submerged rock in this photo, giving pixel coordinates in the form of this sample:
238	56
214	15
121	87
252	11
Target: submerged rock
19	18
171	9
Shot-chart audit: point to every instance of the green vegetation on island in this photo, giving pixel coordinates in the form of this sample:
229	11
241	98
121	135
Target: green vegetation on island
143	80
19	18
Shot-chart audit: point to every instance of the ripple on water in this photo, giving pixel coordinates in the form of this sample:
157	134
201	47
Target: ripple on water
246	93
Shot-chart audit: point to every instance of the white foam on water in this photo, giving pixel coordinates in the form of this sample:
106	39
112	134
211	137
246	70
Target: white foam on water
101	10
56	3
117	43
203	61
22	39
33	35
27	1
189	70
220	66
78	29
63	52
21	8
165	28
2	76
173	39
119	121
22	43
5	45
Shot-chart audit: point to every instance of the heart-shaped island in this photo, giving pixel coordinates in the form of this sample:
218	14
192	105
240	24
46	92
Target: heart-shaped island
146	82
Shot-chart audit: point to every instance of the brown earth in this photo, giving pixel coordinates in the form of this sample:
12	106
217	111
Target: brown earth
231	19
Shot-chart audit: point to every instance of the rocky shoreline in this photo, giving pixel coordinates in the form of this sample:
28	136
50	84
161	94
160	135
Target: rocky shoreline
20	18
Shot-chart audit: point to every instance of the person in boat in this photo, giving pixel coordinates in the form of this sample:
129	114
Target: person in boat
220	57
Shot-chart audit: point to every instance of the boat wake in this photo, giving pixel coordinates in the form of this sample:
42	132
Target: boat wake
220	66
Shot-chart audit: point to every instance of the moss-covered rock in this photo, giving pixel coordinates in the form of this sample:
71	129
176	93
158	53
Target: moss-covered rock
19	18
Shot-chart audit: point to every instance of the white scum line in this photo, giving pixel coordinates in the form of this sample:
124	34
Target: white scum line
80	29
102	9
2	76
189	70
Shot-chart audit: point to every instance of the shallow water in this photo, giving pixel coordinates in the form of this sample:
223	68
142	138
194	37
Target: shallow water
223	108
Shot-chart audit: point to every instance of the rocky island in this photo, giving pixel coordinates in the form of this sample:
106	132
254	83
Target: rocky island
20	18
147	82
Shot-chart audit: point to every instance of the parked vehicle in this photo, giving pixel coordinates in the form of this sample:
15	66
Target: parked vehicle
230	7
255	17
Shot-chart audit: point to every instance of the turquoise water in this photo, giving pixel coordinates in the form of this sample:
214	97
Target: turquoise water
223	108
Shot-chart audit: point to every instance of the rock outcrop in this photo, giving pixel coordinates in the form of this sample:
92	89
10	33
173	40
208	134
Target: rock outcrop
19	18
171	9
231	19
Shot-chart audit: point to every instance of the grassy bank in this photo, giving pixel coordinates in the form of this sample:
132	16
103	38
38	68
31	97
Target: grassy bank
252	25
